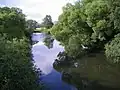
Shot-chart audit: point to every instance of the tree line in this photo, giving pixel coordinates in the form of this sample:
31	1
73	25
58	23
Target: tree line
17	71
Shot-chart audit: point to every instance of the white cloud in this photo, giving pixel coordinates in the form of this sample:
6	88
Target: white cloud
37	9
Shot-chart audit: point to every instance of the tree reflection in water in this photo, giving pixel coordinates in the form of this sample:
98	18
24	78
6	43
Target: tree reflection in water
48	41
79	72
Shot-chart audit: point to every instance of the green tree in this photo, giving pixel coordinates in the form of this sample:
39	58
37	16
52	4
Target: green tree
12	22
17	71
113	50
72	30
47	22
91	23
32	24
16	67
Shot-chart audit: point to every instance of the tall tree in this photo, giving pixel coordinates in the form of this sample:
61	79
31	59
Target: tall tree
47	22
32	24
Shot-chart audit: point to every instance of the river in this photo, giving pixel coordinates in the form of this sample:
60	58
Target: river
93	72
44	58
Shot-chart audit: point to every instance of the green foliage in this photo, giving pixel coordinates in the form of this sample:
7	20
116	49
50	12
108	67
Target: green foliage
113	50
12	22
32	24
17	71
38	30
47	22
16	67
91	23
98	18
71	29
74	47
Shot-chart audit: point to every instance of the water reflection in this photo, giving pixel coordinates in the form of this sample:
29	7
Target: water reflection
44	58
48	41
91	72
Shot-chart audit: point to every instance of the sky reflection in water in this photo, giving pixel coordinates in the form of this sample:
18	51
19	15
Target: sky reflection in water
44	59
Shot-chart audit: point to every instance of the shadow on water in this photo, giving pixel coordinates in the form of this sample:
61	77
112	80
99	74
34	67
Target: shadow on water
44	57
89	73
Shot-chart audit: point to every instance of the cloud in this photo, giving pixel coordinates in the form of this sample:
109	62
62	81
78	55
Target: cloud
37	9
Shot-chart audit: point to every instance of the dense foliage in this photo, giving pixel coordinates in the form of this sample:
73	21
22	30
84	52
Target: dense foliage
12	22
113	50
88	25
17	71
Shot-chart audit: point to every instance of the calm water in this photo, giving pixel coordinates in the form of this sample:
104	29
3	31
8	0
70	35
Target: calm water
44	59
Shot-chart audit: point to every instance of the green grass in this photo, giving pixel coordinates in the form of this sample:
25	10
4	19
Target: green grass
38	30
42	30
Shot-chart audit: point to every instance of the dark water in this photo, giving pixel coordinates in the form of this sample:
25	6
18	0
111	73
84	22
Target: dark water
44	59
91	72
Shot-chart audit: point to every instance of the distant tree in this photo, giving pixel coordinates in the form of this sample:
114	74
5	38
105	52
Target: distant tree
47	22
32	24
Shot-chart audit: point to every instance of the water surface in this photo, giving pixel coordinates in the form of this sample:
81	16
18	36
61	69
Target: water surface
44	59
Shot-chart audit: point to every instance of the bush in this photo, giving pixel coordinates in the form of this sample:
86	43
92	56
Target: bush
113	50
16	68
17	71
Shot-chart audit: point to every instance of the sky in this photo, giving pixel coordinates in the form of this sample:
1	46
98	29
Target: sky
38	9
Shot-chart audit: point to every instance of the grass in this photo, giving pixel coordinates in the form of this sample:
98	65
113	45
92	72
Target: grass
42	30
38	30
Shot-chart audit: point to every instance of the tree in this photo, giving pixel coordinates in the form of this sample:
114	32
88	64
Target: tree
32	24
72	30
12	22
113	50
91	23
17	71
47	22
16	67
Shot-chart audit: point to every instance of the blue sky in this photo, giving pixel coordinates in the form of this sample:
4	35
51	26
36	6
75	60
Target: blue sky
3	2
9	2
37	9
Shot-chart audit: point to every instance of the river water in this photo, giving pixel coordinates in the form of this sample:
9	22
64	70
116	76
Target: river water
44	59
